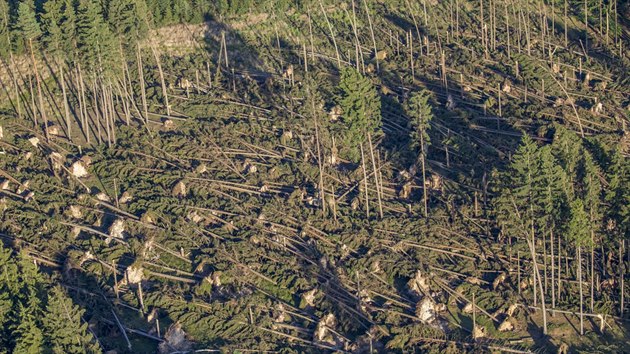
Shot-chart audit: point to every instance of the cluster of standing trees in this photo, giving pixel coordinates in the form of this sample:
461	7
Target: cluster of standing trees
563	197
34	315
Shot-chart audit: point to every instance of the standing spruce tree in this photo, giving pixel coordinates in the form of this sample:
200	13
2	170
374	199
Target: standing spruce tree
361	108
66	331
518	189
53	23
551	199
28	28
34	320
579	234
9	287
5	44
518	208
618	193
94	36
29	336
592	201
420	112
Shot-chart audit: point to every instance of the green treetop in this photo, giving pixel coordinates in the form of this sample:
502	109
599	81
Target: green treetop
361	109
29	336
66	332
26	24
618	193
51	21
5	44
516	205
578	228
550	195
419	111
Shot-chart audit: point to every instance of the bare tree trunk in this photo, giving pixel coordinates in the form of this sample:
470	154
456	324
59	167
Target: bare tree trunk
96	111
39	91
142	85
553	272
378	188
532	247
82	119
424	176
365	181
322	191
156	55
18	96
621	276
367	12
65	102
332	33
559	269
592	270
579	274
33	107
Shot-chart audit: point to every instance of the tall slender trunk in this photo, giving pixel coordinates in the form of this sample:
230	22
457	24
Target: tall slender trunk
592	270
39	91
378	187
367	12
96	110
621	275
322	191
162	82
579	275
332	34
532	248
425	197
18	96
66	107
142	84
85	112
365	181
553	271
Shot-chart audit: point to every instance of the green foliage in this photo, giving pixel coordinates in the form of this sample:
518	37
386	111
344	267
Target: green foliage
579	225
516	207
32	320
129	19
27	24
618	193
29	336
5	45
361	109
66	331
95	41
420	112
58	24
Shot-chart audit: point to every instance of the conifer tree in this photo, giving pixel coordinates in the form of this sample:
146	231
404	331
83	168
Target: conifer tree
52	23
618	193
5	45
29	336
592	201
65	330
361	109
9	285
420	112
551	199
578	233
27	22
68	27
29	29
519	189
94	37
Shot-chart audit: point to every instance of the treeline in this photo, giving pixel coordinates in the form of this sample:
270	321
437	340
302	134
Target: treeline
36	317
